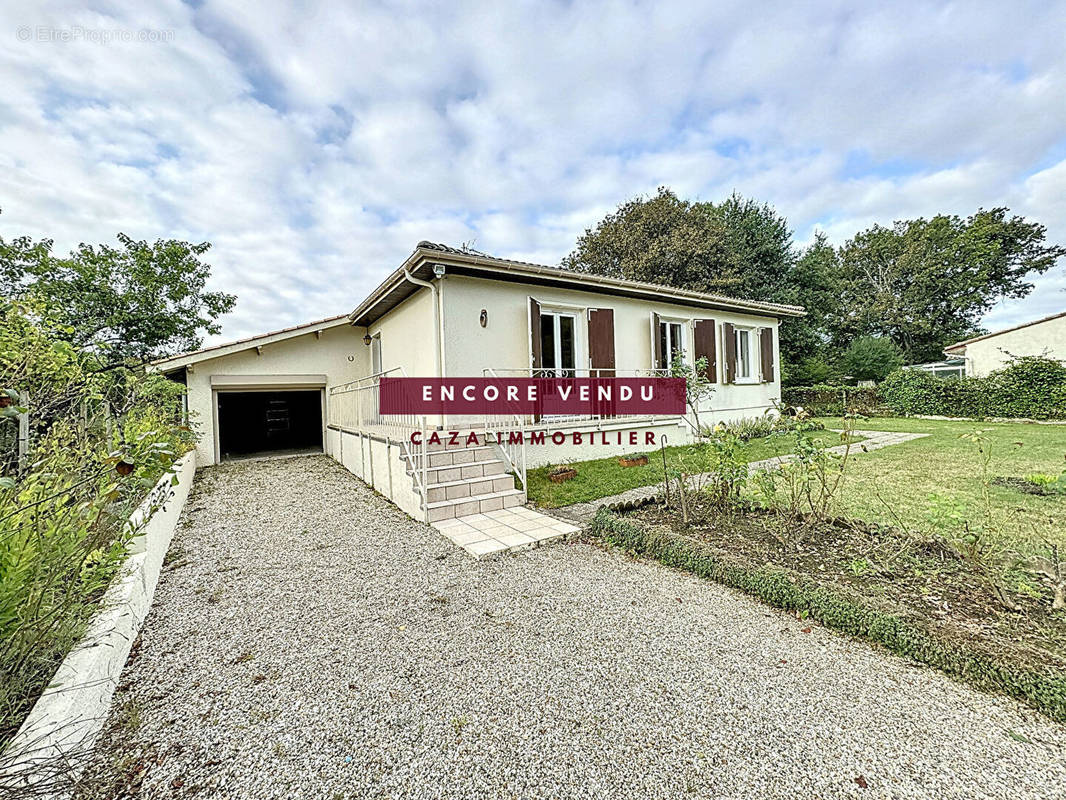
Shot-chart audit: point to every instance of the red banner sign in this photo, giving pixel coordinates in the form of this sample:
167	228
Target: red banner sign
508	396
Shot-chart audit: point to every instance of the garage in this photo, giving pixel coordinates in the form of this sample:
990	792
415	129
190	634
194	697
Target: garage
267	422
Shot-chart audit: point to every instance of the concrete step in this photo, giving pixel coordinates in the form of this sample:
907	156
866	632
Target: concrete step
462	472
475	504
454	490
460	443
455	456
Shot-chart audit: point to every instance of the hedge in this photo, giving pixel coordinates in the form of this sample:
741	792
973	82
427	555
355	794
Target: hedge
832	401
1030	387
843	610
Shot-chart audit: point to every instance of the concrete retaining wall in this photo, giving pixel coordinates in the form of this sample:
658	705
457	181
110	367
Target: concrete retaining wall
49	748
379	463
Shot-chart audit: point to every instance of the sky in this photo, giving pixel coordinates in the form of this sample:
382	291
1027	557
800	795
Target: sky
315	144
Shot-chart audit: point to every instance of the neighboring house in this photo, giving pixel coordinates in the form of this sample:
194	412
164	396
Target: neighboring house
984	354
456	313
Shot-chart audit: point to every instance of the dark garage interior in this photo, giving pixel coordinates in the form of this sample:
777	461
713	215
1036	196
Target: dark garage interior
263	423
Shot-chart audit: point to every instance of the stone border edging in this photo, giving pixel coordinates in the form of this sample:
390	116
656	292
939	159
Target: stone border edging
63	724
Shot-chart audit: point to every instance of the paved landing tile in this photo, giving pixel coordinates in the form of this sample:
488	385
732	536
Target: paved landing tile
504	530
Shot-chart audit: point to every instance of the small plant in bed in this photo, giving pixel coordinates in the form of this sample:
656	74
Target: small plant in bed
562	473
633	460
1038	483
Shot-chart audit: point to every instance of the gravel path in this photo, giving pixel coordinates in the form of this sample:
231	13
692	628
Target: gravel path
310	640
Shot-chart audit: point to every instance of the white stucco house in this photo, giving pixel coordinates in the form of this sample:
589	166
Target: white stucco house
447	312
984	354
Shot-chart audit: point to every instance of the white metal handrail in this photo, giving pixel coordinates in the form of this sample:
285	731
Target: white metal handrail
356	405
499	426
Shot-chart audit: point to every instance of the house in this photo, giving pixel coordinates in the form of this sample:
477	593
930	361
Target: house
984	354
447	312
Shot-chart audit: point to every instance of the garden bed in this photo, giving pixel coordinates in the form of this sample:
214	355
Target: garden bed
604	477
919	599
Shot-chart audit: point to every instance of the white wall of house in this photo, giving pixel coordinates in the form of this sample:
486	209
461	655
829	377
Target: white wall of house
304	355
504	342
408	336
1042	338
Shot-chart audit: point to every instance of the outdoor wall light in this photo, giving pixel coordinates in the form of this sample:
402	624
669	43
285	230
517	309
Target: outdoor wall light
366	339
438	270
484	318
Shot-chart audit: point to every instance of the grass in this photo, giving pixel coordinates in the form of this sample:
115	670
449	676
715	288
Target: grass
604	477
908	476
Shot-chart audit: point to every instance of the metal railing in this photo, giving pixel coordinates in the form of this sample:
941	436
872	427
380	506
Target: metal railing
356	405
499	427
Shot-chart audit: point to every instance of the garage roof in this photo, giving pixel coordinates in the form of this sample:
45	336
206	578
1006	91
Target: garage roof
395	289
171	363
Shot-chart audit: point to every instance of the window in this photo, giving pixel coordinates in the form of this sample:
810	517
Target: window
671	342
745	347
375	355
557	344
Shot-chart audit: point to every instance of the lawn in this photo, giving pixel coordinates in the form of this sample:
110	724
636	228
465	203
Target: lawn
897	485
605	477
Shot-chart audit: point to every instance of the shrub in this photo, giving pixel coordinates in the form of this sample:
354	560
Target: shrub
810	371
99	442
833	401
1030	386
871	358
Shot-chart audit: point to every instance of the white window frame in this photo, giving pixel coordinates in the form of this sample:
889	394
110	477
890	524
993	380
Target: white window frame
752	335
668	352
575	314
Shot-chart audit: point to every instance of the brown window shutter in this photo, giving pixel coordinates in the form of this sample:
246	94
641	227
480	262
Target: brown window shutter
766	344
536	356
601	342
656	344
703	335
729	342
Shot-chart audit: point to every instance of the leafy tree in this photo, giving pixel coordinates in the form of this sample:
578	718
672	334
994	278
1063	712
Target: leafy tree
926	283
126	304
660	239
871	358
738	247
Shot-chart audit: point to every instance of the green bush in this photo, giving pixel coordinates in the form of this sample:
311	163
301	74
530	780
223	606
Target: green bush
833	401
1031	387
811	371
843	609
871	358
99	441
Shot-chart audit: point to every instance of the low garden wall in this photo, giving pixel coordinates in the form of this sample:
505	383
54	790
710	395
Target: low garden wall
51	744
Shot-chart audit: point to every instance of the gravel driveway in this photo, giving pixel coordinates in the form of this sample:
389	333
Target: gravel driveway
310	640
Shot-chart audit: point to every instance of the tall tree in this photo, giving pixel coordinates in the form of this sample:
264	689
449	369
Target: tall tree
126	304
660	239
738	247
926	283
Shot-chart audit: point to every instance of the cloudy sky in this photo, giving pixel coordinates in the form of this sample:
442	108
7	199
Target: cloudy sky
314	144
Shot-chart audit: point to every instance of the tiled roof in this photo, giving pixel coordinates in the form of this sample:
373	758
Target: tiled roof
250	340
655	287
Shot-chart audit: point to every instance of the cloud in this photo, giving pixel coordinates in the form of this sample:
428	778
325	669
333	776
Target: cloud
315	144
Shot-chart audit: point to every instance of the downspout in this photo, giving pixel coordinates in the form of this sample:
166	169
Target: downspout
436	310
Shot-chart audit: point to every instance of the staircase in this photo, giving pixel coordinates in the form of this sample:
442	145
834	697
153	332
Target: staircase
464	479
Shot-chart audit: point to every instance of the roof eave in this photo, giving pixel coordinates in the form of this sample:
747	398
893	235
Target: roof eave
580	281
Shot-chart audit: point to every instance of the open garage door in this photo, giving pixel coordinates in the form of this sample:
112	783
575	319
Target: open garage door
265	423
